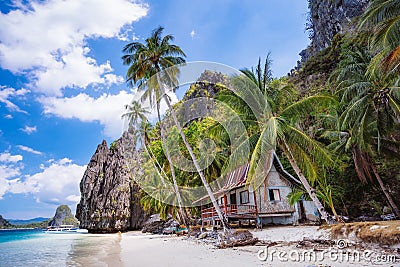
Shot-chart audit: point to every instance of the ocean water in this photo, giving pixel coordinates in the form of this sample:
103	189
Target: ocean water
35	248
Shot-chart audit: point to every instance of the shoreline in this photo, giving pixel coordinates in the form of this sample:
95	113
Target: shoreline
139	249
279	245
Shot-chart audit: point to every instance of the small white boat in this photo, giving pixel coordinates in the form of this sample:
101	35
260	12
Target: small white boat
64	229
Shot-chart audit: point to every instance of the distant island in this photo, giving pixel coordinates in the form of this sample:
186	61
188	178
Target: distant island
28	221
63	215
4	223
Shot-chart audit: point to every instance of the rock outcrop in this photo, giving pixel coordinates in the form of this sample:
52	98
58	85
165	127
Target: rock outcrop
327	18
4	223
109	196
155	225
63	216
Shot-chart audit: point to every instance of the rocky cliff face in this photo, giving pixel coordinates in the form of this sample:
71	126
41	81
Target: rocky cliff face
4	223
327	18
109	196
63	216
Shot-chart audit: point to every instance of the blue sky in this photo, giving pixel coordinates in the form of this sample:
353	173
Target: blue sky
62	87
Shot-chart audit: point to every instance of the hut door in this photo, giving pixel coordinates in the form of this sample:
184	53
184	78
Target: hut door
233	199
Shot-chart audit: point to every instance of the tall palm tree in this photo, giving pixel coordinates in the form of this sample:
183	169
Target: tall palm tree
262	77
369	109
135	114
145	60
275	128
148	60
383	16
166	83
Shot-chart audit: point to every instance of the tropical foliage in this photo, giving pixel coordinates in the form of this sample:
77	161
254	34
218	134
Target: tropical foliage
333	131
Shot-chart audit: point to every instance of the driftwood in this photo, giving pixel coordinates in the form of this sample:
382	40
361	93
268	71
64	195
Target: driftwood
238	238
238	243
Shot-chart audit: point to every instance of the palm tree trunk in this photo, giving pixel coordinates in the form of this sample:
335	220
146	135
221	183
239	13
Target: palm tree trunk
337	218
385	191
158	168
196	164
307	186
168	155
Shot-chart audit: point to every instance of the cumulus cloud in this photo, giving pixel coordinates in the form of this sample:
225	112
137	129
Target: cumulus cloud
29	129
6	93
8	158
30	150
55	184
9	168
106	109
57	31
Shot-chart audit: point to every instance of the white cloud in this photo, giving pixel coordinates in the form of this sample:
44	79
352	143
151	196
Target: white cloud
10	167
56	184
73	198
57	32
8	116
192	34
106	109
8	158
6	93
30	150
28	129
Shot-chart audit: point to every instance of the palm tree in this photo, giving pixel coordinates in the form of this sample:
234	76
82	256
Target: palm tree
274	128
135	114
369	109
166	82
261	77
145	60
383	16
148	60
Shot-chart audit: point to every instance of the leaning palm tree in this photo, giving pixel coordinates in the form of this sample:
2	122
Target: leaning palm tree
383	17
369	110
138	122
145	60
148	60
274	128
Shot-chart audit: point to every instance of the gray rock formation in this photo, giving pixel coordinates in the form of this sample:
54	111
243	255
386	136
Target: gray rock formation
109	196
327	18
4	223
63	216
155	225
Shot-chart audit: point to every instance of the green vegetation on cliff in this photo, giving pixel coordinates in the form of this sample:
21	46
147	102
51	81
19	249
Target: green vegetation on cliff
335	119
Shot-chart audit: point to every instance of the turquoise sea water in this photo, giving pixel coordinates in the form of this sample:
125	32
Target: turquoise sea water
35	248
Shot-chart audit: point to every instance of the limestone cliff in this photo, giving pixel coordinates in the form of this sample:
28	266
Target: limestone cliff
109	196
63	216
327	18
4	223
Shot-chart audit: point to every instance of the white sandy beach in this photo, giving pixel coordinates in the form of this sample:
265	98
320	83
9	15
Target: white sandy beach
137	249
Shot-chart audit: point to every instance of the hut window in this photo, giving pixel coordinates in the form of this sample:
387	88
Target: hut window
244	197
274	195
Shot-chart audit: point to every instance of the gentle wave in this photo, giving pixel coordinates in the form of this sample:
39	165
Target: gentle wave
35	248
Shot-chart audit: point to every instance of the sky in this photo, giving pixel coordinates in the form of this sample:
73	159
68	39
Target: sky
62	81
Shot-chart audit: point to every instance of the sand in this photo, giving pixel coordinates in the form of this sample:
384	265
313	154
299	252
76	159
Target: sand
137	249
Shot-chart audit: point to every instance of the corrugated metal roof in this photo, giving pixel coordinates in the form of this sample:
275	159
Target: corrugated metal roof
238	178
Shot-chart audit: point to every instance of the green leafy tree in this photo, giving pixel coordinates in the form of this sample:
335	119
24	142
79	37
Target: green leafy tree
145	60
276	127
369	111
383	18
